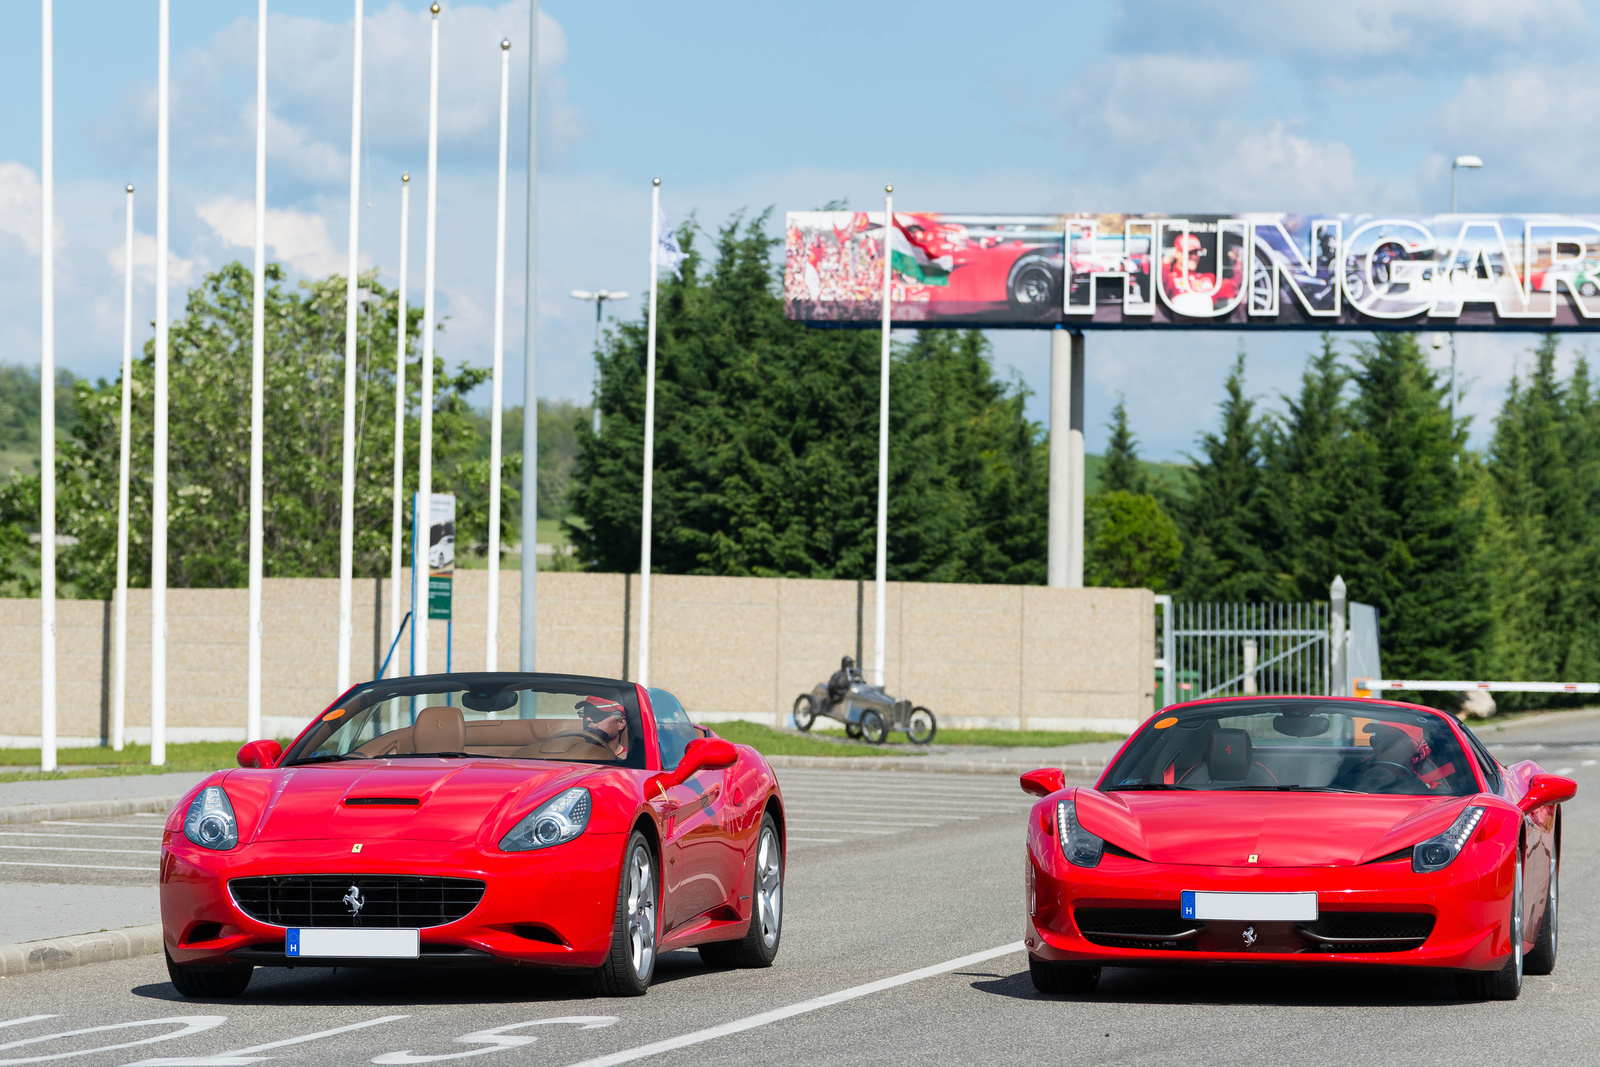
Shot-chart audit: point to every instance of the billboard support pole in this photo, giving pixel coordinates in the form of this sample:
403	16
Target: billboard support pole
879	620
1075	462
1058	539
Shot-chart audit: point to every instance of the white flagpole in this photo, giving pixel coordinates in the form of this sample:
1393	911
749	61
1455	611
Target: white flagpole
119	682
258	377
880	587
396	541
47	406
352	308
158	488
649	442
492	641
529	563
424	508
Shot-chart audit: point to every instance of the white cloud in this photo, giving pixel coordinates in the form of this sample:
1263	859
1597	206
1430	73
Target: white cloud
20	197
299	239
180	269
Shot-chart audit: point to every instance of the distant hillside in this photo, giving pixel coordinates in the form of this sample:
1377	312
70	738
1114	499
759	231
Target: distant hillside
1169	476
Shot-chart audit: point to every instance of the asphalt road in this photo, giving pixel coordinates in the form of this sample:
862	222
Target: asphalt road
873	969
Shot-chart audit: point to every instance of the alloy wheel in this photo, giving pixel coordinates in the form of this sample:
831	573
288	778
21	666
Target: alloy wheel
769	886
641	912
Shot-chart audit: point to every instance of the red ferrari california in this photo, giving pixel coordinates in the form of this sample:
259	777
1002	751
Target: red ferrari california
546	820
1297	830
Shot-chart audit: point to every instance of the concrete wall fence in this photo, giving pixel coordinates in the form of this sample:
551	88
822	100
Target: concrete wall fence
730	648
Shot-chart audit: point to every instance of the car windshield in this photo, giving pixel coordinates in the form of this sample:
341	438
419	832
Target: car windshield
570	719
1296	745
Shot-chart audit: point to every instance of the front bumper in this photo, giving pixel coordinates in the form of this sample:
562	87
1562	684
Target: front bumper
553	907
1467	910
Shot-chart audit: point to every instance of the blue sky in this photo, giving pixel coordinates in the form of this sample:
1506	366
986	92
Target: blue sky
1154	106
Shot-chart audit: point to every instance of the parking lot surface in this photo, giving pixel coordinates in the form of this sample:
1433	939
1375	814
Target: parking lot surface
901	945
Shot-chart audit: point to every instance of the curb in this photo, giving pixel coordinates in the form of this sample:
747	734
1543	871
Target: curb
86	809
922	764
56	953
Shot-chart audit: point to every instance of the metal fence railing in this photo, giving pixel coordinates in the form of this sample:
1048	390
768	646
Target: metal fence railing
1223	649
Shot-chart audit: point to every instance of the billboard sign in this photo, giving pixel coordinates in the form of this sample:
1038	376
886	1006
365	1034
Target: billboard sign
441	555
1249	271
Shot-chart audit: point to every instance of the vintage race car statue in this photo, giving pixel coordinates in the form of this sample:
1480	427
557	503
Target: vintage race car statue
1297	830
540	819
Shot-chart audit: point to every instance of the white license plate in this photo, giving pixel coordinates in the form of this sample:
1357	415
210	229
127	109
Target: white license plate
1250	907
354	944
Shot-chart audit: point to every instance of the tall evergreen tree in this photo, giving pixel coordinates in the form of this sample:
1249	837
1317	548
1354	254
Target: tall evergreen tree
1226	534
1122	470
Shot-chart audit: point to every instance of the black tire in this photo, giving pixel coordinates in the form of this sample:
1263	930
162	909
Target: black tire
194	981
873	728
631	963
921	725
1542	960
1033	285
1506	983
759	946
805	711
852	730
1055	978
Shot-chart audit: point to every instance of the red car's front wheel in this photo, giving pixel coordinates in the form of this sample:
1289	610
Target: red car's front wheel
631	962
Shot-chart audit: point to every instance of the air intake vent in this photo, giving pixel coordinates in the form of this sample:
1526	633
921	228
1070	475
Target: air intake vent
329	899
381	802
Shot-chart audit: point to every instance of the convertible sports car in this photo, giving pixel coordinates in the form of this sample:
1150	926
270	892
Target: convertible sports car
539	819
1297	830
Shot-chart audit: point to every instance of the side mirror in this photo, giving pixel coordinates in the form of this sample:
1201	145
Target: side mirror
260	754
1043	782
701	754
1547	789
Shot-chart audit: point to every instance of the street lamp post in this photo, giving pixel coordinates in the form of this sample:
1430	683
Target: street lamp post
599	297
1461	163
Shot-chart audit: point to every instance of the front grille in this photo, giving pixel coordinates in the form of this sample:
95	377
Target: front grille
1146	928
318	900
1368	931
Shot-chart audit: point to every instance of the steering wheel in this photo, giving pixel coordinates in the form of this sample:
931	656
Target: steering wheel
1398	779
584	734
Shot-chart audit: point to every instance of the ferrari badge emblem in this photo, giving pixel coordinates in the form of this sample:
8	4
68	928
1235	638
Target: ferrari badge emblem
354	901
355	848
1253	856
1249	936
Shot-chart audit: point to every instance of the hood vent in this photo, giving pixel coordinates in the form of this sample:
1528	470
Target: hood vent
381	802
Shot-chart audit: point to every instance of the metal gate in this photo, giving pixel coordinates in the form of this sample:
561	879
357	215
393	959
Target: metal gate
1212	650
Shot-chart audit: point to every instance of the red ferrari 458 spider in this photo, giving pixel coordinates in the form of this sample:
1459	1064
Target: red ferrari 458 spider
1297	830
539	819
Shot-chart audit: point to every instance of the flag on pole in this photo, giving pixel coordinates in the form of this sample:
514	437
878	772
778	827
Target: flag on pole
668	254
912	254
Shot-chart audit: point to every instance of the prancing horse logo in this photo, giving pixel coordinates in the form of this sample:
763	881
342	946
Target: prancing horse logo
354	901
1249	936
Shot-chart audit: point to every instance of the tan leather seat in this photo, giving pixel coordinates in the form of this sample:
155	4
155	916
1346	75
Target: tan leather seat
439	729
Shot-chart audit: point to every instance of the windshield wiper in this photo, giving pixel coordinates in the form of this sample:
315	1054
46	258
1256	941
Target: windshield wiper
439	755
326	757
1148	785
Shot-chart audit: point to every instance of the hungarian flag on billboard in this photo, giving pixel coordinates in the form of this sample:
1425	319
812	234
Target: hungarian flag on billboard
911	253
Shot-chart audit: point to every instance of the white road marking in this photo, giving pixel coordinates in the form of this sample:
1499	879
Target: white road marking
148	815
808	809
1588	763
766	1018
1565	770
100	851
498	1040
74	866
101	825
826	820
835	829
78	837
191	1024
819	840
241	1056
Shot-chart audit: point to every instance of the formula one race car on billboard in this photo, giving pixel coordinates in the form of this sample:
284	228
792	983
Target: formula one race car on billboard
1297	830
557	821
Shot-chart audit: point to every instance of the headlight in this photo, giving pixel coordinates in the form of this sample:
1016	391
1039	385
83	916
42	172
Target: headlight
556	821
210	822
1081	848
1437	853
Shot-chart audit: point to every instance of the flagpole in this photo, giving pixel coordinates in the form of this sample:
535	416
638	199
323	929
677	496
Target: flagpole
879	616
119	683
492	639
158	487
258	372
47	403
396	542
649	442
528	616
352	308
422	517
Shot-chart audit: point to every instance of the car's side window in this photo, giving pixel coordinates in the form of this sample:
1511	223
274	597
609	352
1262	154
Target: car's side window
674	731
1486	762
